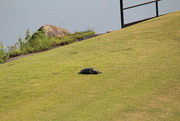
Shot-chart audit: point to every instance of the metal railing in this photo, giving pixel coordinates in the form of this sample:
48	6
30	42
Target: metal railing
122	12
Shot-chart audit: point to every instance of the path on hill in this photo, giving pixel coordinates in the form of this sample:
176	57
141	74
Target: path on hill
22	56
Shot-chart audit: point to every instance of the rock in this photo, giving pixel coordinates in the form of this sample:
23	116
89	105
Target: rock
54	30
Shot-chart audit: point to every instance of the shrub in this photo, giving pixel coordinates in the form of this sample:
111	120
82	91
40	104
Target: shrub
66	40
80	35
3	54
44	44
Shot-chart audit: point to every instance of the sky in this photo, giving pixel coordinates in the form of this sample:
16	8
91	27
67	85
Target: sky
16	16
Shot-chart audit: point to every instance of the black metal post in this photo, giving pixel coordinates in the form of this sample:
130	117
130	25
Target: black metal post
157	11
122	14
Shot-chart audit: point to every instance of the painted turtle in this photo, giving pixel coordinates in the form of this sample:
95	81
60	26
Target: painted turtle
89	71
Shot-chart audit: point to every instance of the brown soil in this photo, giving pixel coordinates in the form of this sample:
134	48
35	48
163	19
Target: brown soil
21	56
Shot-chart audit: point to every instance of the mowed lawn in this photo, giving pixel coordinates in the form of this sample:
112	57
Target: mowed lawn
140	79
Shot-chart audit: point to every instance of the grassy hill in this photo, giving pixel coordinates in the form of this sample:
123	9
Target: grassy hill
140	79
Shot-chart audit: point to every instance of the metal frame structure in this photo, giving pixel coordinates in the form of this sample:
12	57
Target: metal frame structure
122	12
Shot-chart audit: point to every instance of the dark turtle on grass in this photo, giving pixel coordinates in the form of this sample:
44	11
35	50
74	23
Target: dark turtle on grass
89	71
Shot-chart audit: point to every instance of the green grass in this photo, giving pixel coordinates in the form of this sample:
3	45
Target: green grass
140	79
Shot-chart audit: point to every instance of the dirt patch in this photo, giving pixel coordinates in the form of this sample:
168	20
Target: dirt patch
21	56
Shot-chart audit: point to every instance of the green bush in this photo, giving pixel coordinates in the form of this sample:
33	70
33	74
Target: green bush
15	53
3	54
44	44
66	40
79	35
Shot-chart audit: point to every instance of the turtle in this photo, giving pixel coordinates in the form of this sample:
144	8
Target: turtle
89	71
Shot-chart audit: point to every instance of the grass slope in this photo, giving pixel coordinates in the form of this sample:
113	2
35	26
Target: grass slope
140	79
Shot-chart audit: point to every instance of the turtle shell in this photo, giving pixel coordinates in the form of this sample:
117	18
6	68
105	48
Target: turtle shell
89	71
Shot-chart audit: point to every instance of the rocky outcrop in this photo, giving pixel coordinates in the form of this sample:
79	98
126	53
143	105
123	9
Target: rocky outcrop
51	30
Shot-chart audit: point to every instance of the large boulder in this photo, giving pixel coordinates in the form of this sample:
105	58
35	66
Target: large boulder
51	30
